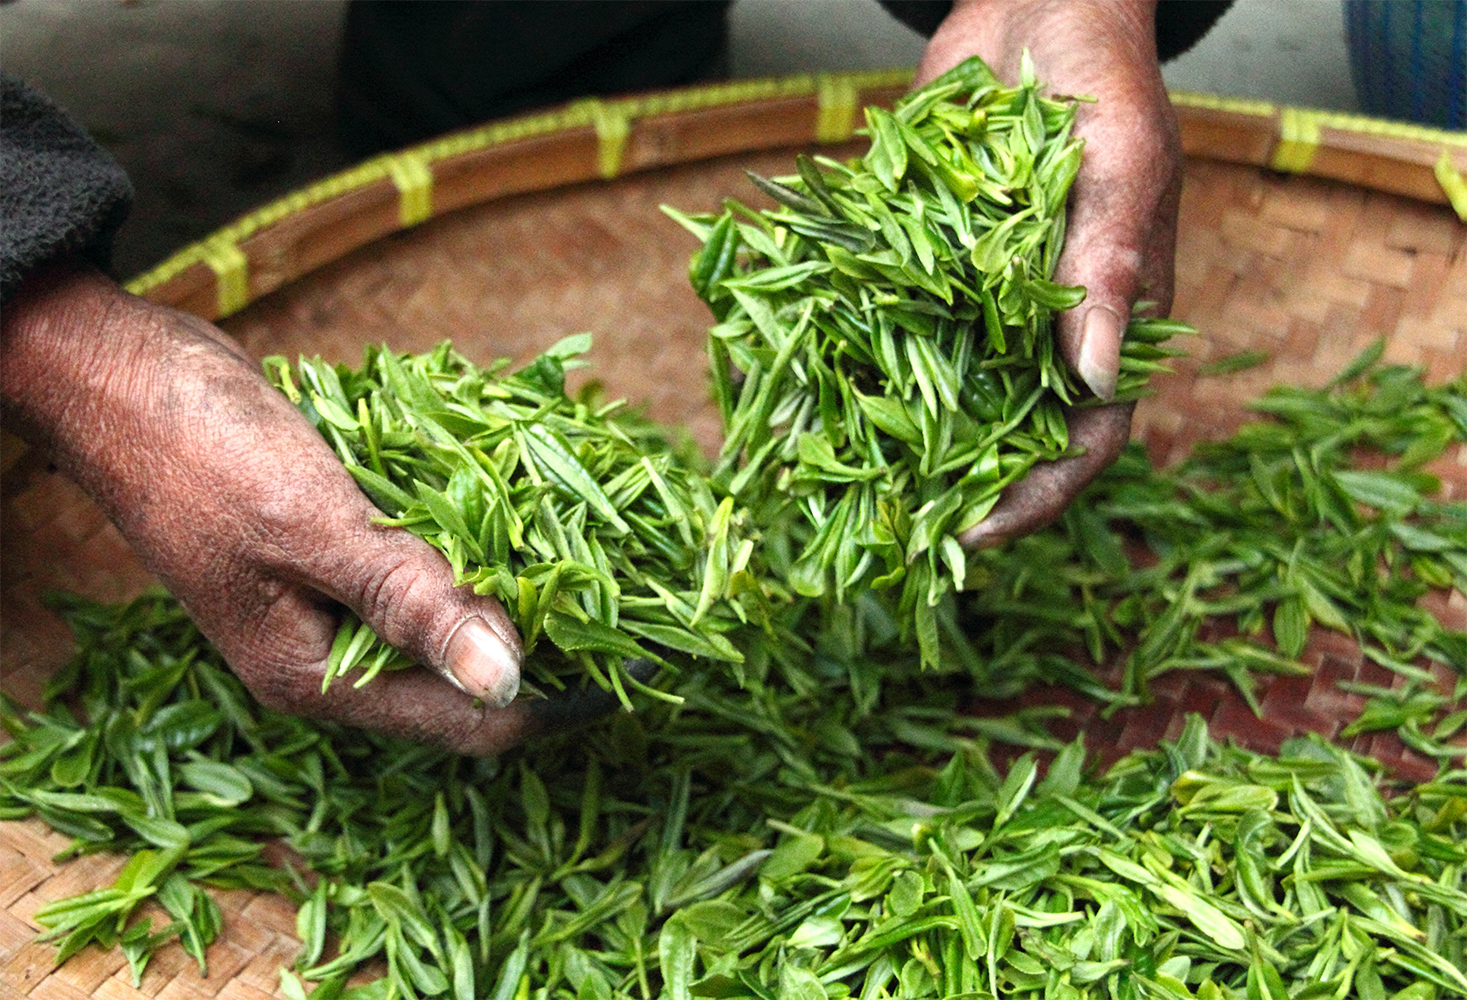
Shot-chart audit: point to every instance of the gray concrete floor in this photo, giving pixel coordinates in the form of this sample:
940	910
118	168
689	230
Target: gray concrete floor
217	106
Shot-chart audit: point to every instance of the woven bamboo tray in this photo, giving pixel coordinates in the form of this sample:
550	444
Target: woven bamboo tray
1302	234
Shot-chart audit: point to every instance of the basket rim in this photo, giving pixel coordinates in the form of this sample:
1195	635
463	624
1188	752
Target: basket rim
239	263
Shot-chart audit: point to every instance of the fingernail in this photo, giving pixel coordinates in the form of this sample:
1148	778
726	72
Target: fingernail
483	664
1100	351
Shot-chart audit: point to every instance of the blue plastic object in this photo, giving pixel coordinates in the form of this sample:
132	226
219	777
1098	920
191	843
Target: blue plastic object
1407	59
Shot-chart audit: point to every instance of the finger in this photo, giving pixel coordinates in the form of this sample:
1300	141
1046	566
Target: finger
442	716
1044	493
315	530
422	707
411	704
1119	239
404	589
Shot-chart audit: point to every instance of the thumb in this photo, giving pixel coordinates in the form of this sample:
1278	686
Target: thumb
404	589
1112	248
1121	234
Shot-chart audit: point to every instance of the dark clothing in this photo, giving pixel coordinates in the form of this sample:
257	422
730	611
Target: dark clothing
414	69
60	192
1180	23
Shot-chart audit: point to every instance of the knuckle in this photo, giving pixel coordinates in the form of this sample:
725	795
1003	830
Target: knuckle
278	655
397	598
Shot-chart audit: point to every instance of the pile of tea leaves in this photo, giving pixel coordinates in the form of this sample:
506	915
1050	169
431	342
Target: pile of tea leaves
1322	514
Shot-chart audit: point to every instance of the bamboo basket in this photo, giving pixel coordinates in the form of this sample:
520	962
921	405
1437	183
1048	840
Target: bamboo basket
1302	234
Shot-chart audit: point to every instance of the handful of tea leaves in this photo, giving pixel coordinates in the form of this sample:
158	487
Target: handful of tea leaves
893	322
595	534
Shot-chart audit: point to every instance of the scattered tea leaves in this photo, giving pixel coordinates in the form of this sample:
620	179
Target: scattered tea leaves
729	846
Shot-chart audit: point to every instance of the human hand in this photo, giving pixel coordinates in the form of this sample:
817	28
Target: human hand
1122	221
235	502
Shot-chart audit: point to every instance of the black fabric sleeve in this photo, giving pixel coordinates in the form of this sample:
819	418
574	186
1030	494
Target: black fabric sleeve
60	192
414	69
1180	23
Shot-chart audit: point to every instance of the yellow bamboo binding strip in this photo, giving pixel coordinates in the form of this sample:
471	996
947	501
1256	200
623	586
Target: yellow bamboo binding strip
231	273
1212	102
836	101
1342	122
1452	184
613	123
414	180
1299	136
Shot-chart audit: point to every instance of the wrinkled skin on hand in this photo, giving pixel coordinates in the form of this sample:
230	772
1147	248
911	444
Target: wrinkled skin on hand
235	502
1122	224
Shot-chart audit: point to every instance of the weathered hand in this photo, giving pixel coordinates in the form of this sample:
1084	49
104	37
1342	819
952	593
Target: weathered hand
1123	207
241	509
